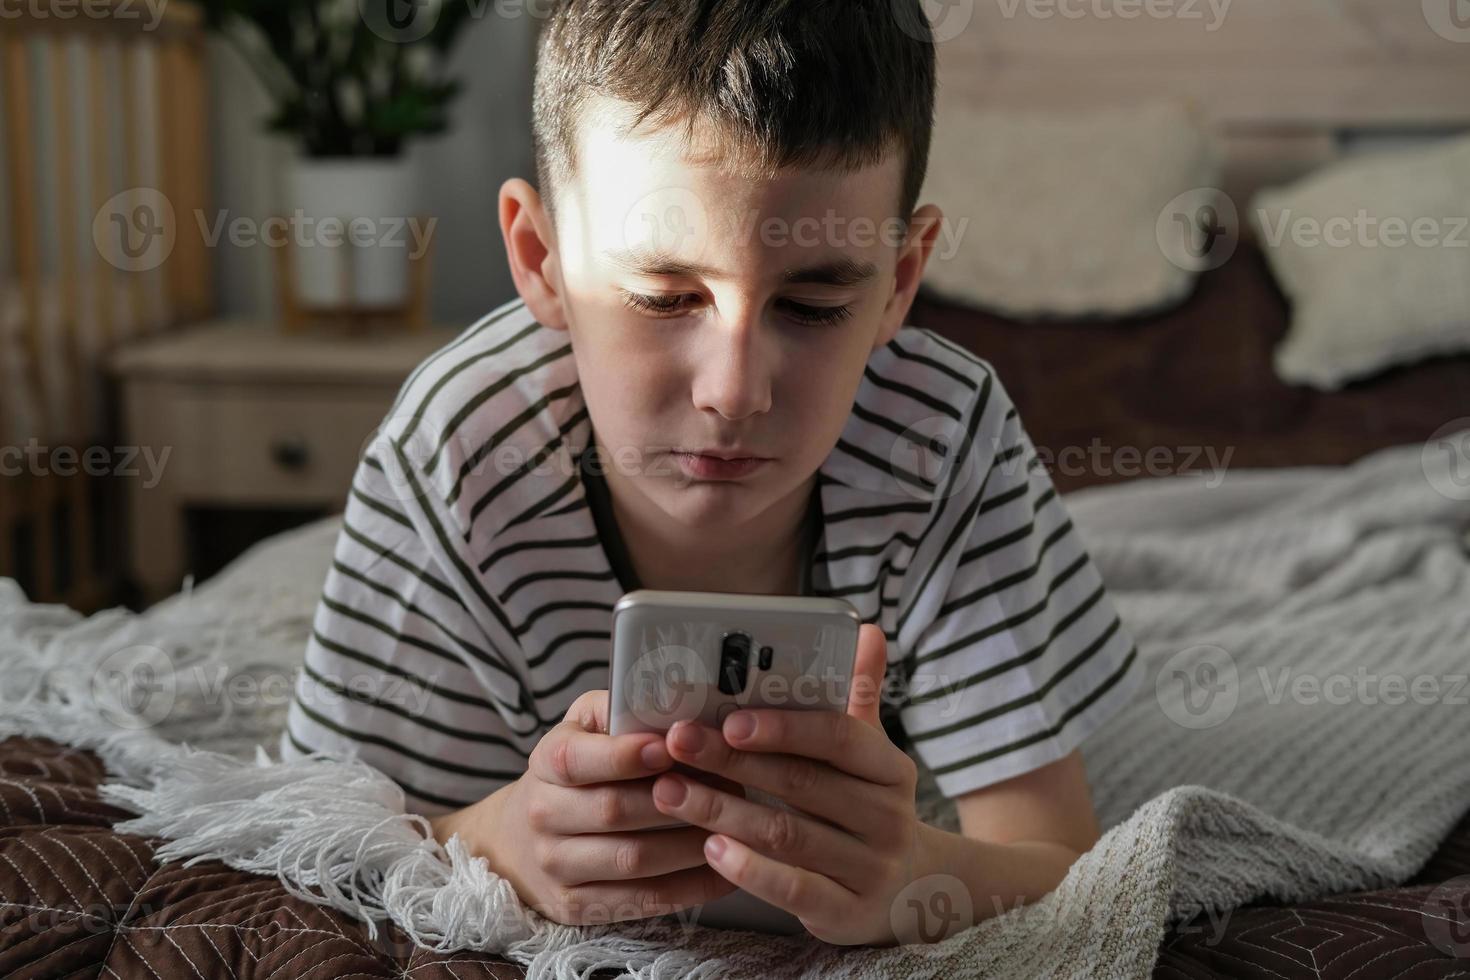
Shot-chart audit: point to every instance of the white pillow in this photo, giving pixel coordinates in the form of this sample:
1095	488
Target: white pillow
1055	214
1374	254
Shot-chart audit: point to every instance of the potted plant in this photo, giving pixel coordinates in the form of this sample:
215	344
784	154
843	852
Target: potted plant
352	82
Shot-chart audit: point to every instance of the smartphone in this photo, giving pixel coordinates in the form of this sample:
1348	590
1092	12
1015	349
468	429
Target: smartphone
702	655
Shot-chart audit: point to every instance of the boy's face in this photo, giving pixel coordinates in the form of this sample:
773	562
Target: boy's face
768	298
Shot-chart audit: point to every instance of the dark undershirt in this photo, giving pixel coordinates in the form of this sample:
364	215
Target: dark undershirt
599	500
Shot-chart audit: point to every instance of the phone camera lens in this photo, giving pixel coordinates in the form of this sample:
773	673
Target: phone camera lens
765	661
734	662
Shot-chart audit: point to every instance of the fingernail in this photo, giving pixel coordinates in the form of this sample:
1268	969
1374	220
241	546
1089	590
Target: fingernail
688	737
740	725
714	847
670	792
654	755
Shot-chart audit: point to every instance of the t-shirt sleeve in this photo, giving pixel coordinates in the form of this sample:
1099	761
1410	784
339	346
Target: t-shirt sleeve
1023	654
398	671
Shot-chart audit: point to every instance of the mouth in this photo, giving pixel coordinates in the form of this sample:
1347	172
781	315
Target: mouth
710	466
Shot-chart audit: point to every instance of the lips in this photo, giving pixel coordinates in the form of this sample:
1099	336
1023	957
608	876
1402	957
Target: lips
702	466
725	454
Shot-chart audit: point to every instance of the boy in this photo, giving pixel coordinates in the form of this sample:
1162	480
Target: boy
698	389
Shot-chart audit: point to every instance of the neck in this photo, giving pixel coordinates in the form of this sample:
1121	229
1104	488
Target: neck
761	556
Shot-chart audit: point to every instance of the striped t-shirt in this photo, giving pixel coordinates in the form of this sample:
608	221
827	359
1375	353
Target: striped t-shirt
470	594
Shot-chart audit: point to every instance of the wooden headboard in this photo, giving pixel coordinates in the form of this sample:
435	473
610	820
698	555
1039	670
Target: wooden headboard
104	116
1280	80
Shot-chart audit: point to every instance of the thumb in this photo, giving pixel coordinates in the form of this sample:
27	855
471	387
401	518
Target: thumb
868	670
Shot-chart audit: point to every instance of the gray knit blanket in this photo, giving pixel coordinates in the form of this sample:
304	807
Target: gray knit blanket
1306	631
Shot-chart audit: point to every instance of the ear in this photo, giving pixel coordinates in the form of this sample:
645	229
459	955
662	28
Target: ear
531	250
913	257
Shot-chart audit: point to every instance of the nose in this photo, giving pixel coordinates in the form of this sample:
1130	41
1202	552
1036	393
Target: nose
733	373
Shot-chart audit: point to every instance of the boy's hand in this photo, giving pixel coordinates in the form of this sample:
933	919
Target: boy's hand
572	834
855	842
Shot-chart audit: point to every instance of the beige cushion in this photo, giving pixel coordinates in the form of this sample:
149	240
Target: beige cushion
1055	214
1374	253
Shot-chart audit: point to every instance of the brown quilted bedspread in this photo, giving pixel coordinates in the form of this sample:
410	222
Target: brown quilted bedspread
79	900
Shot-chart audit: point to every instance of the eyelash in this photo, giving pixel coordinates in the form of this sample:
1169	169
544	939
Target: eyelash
665	305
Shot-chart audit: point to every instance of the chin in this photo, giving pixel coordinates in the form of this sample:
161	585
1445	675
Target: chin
709	504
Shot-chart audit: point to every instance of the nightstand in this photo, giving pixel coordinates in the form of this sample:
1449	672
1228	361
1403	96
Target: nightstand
239	414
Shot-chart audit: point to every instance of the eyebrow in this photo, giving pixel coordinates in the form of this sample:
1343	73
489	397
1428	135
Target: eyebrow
656	262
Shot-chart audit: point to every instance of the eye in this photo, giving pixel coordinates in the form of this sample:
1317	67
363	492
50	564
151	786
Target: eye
669	305
818	314
652	304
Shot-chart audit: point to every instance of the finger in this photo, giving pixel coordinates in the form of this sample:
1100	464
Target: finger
869	668
845	742
589	711
791	837
619	857
615	901
807	784
570	756
624	805
805	894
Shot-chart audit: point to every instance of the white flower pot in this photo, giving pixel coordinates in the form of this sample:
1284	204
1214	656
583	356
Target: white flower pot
361	257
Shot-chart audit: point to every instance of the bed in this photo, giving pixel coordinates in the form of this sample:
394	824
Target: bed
81	897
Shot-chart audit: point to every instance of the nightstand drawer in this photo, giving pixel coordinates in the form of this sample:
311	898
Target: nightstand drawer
259	444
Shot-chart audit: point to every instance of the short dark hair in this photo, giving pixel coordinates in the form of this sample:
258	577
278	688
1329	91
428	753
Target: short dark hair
771	84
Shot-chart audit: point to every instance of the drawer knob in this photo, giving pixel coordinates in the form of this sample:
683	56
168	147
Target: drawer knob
290	454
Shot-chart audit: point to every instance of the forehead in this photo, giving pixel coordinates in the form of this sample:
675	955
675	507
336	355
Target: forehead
650	188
